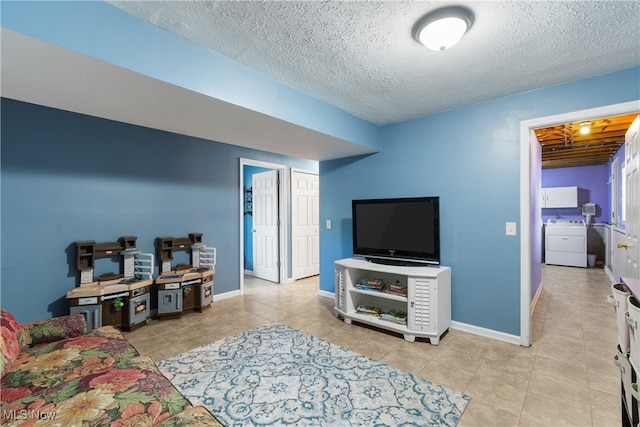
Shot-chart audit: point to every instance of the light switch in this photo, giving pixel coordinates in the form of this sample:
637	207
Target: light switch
511	228
328	224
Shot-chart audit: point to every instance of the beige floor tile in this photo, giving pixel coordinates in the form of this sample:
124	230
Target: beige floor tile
371	349
550	411
320	330
562	371
606	405
456	379
478	414
562	348
598	421
164	353
573	394
499	389
566	377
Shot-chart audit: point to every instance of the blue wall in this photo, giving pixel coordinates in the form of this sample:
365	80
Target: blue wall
470	157
68	177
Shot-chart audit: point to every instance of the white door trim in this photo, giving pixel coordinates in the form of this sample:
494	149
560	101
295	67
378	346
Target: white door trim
283	208
526	165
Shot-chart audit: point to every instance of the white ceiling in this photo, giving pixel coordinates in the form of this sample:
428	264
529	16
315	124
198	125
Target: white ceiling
356	55
360	55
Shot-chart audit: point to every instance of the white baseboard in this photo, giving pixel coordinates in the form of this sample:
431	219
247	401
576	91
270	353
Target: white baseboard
534	302
487	333
464	327
226	295
326	294
286	281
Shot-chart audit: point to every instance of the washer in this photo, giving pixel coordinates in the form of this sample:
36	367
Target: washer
566	242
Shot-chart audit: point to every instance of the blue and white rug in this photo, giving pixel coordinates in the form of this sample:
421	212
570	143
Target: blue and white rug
276	375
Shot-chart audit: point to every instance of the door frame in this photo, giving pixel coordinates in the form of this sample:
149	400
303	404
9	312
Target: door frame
283	208
526	197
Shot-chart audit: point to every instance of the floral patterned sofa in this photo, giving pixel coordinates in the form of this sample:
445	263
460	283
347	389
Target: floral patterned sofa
55	374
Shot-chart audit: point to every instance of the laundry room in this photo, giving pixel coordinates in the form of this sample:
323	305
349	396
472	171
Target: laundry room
578	196
572	235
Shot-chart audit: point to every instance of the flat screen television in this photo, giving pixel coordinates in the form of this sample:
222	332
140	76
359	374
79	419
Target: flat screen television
402	231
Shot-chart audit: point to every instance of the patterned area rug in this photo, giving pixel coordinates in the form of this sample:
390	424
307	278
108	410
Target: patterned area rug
276	375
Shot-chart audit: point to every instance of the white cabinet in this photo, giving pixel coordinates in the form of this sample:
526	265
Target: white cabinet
566	246
427	304
559	197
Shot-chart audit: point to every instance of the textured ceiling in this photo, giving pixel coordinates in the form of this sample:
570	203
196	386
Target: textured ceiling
360	55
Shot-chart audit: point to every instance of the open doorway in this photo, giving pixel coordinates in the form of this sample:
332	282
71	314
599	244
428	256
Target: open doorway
249	170
530	211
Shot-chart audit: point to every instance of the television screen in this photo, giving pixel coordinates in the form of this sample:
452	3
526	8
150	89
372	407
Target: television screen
397	230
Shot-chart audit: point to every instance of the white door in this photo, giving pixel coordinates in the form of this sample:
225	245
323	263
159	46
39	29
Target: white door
632	200
305	227
265	225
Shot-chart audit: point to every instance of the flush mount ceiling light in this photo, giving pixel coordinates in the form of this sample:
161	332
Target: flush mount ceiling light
442	28
585	128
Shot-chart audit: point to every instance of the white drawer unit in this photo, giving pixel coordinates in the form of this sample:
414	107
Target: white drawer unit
426	305
566	243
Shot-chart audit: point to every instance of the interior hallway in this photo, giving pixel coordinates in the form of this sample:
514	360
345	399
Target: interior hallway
565	378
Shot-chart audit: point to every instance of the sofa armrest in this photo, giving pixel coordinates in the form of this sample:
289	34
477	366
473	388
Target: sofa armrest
50	330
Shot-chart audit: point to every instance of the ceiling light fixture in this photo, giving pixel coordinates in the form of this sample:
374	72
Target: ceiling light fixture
443	28
585	128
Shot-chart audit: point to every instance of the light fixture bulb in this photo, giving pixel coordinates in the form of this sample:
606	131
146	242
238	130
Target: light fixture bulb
585	128
442	28
442	34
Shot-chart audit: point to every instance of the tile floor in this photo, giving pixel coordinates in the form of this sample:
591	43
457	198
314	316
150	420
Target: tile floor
565	378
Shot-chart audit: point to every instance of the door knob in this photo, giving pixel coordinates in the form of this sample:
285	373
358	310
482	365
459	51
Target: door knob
624	245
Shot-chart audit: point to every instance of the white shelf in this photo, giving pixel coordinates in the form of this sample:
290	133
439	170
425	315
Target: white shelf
428	303
372	320
379	294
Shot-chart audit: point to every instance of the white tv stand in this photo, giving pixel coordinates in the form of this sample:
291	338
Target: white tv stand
428	303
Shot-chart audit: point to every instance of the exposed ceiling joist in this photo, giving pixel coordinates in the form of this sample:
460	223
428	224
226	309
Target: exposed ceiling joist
565	146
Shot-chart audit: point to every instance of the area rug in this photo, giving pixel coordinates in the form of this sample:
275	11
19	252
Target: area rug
276	375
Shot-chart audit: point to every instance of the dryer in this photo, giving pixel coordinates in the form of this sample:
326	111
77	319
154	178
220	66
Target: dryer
566	242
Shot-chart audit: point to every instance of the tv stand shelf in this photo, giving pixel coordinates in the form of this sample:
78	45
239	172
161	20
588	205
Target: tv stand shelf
427	304
379	294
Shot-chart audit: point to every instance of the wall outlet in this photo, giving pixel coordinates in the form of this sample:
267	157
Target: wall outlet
511	228
328	224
